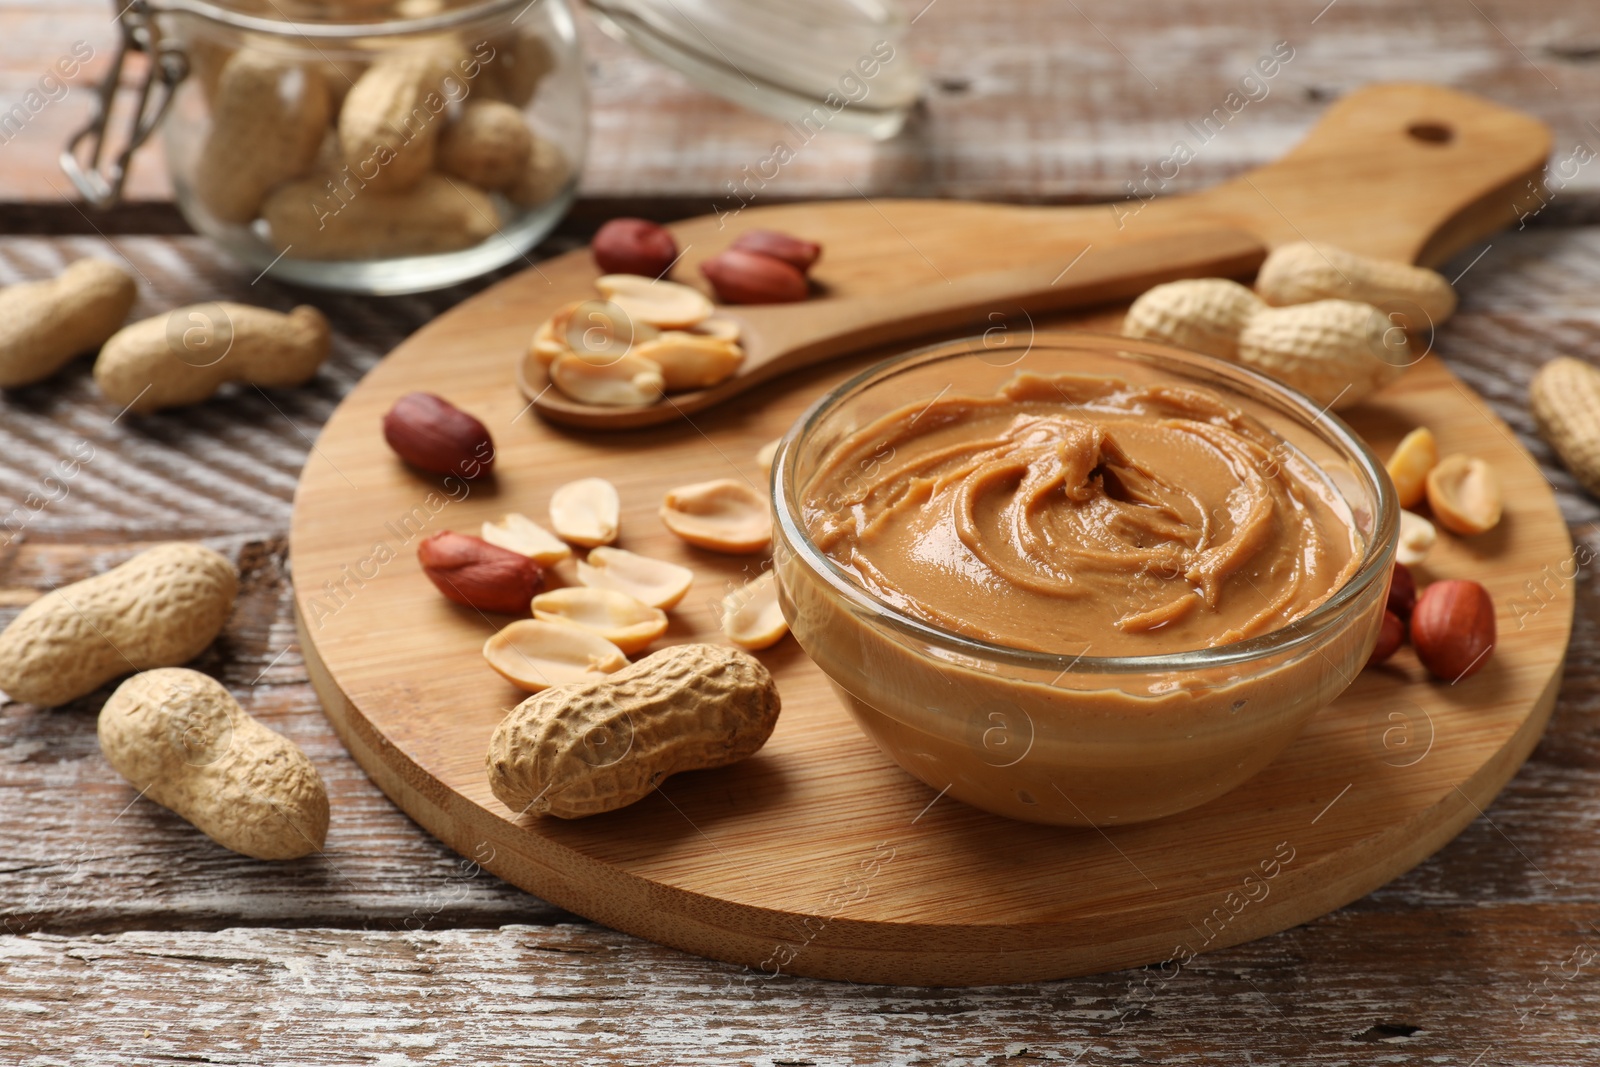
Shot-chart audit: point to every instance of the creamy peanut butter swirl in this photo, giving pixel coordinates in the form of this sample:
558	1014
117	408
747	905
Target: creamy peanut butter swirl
1079	514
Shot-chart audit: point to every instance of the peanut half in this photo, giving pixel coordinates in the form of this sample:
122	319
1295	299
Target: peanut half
650	581
601	745
1302	272
586	512
185	743
724	515
624	382
1565	398
535	654
1415	455
185	356
627	623
473	572
690	361
44	324
522	535
751	617
1417	537
665	305
599	331
1464	495
159	609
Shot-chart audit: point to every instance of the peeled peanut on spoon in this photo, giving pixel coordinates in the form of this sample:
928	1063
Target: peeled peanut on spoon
624	382
665	305
690	361
724	515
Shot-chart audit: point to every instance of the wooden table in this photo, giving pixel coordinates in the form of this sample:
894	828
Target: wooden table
129	937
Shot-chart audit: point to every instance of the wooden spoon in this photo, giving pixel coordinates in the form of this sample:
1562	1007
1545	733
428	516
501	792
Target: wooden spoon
779	338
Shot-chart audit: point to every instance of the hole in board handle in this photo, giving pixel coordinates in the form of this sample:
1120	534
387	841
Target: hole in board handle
1431	132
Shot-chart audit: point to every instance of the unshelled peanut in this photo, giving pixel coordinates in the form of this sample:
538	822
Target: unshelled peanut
548	172
1201	314
1302	272
268	120
181	739
44	324
591	747
185	356
159	609
1337	352
436	215
488	144
387	130
1565	399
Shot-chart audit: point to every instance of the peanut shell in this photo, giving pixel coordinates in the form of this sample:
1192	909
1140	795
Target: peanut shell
597	746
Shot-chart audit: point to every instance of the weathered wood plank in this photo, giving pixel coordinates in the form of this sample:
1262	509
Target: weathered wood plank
1509	984
73	860
1023	100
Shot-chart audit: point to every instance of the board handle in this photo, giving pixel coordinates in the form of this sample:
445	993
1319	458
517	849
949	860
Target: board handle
1424	170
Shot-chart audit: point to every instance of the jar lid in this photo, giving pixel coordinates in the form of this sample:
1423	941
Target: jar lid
822	64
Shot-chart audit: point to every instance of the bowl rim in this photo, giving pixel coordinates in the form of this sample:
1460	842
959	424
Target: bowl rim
1377	560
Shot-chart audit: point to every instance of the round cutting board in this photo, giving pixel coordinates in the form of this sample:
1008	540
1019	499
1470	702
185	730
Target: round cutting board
818	856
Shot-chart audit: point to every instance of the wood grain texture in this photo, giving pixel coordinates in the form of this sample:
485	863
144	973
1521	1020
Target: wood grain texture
1466	948
1031	101
1024	104
1325	995
754	864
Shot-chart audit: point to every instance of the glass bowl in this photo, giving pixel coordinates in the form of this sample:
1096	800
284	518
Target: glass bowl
1064	738
386	147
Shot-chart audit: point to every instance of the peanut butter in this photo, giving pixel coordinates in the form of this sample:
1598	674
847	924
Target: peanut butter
1084	514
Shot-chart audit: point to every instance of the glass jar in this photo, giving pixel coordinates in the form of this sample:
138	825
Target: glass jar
380	146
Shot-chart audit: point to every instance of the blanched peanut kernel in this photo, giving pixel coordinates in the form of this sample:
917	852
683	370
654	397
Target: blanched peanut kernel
521	534
1413	458
1464	494
626	382
533	654
650	581
600	332
1417	536
688	361
723	515
586	512
663	304
617	617
718	327
751	617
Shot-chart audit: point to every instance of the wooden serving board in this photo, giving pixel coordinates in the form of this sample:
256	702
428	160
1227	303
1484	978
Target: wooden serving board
819	856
